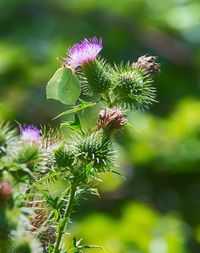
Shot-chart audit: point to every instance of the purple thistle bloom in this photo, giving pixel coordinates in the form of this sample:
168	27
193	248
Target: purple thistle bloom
30	134
84	52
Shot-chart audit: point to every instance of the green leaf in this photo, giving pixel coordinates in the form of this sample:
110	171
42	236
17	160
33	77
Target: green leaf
90	247
56	214
133	127
76	247
73	125
118	173
47	178
77	108
64	86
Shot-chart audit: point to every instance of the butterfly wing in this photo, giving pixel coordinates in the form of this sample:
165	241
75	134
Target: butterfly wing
64	86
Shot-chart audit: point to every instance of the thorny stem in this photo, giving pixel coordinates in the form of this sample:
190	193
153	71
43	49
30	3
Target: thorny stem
63	223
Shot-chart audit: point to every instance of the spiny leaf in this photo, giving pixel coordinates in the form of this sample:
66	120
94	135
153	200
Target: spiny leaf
46	178
64	86
52	202
75	245
83	105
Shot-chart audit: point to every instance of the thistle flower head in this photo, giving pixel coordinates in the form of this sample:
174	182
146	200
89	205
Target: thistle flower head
30	134
111	119
147	63
84	52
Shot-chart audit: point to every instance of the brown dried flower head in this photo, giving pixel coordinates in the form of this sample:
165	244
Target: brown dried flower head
147	63
111	119
48	236
5	190
46	233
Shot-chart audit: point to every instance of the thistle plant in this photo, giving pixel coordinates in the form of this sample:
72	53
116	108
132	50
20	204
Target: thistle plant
31	158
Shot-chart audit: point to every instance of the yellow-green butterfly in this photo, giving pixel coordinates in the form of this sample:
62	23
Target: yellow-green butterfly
64	86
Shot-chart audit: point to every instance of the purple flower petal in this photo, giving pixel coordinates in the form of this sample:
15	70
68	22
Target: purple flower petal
30	134
84	52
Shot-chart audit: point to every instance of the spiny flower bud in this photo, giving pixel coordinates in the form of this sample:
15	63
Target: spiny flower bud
94	148
29	155
133	88
5	191
97	75
64	157
147	63
111	119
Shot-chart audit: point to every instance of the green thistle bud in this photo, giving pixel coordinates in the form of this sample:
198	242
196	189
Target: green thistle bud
96	76
28	154
95	148
133	88
64	157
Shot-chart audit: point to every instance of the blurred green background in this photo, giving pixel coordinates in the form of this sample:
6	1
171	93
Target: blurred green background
157	208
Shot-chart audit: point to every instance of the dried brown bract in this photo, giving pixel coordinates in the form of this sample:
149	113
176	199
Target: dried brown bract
147	63
45	233
111	119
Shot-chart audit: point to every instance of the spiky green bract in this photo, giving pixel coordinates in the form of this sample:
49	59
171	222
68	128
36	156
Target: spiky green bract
96	76
64	157
7	137
29	155
95	148
133	88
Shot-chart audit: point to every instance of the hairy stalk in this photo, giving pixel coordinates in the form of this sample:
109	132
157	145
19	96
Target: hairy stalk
62	225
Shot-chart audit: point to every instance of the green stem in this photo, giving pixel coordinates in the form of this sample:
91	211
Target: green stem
107	98
63	223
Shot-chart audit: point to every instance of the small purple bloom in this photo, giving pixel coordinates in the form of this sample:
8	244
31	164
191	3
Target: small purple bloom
84	52
30	134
